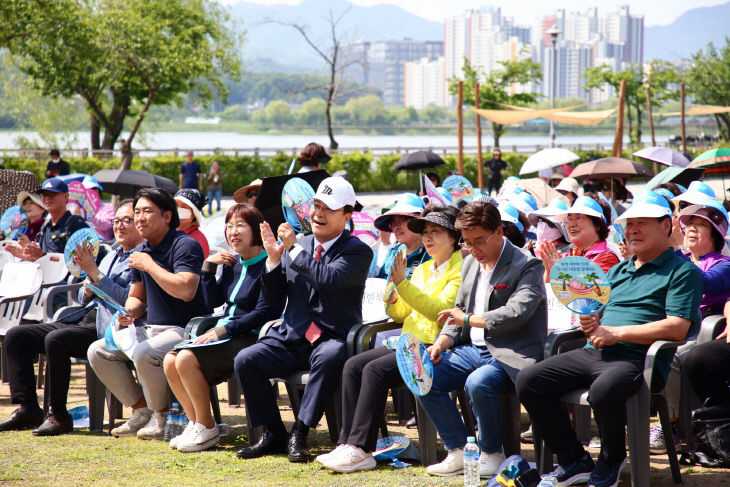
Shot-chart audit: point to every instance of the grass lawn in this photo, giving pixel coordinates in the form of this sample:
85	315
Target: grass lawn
83	458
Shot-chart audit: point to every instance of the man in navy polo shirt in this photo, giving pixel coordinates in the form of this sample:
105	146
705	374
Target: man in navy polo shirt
165	284
190	174
60	224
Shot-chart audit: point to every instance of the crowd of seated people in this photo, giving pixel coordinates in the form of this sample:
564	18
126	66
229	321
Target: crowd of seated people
468	282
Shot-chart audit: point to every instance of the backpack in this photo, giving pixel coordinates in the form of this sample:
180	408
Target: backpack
711	427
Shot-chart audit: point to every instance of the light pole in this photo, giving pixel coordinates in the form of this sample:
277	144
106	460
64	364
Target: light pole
553	32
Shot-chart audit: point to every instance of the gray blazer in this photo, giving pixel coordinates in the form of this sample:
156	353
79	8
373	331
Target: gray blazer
515	313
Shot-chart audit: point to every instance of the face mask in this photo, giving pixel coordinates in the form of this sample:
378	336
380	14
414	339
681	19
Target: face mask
184	213
546	232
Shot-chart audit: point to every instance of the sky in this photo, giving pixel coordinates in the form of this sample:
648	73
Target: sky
656	12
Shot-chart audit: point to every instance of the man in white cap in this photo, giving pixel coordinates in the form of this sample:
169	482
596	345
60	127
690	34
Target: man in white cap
322	277
655	295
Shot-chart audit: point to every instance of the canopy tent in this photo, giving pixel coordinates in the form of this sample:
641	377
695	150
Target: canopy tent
563	115
697	110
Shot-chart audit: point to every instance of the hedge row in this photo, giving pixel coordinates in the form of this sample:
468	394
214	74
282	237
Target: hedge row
365	173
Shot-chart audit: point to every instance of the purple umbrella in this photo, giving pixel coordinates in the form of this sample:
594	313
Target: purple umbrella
663	155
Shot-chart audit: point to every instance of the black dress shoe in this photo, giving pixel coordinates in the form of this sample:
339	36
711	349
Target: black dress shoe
411	423
298	451
22	419
53	426
269	444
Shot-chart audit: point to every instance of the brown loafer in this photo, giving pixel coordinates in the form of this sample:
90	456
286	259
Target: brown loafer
22	419
53	426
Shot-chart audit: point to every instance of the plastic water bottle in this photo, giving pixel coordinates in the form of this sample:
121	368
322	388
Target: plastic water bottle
548	481
223	429
182	421
172	422
471	463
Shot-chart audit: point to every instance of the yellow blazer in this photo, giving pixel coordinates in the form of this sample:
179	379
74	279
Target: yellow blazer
419	302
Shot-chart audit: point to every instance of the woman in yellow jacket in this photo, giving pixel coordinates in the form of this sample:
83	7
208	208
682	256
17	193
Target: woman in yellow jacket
367	377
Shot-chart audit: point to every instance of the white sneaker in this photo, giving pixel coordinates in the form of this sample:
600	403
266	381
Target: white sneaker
321	458
489	463
186	432
201	438
452	465
155	427
350	459
140	417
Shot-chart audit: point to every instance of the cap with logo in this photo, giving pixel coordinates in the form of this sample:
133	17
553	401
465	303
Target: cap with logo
712	211
54	185
585	206
697	194
554	208
335	192
408	205
647	204
509	213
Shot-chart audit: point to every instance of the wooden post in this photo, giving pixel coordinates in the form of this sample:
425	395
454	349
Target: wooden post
460	128
684	127
618	140
480	164
651	123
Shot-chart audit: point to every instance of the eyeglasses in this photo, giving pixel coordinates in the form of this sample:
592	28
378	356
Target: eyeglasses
470	246
123	222
238	226
252	194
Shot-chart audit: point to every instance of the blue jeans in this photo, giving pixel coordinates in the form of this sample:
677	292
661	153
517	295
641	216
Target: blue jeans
475	370
214	194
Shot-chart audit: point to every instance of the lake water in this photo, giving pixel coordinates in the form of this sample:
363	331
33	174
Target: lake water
207	141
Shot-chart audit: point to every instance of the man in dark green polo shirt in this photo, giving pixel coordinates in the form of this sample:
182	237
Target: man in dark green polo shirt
655	295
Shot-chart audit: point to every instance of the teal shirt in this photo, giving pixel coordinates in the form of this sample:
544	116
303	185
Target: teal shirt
667	285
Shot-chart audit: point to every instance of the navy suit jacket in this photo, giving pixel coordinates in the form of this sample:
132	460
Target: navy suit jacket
328	292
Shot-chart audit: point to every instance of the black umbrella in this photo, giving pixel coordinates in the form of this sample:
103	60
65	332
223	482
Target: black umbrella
416	161
269	198
12	182
126	182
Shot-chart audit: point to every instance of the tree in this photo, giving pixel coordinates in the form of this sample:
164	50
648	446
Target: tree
660	76
121	57
707	80
278	113
367	110
497	88
335	56
312	112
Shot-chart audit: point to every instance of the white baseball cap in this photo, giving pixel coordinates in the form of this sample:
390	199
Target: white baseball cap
585	206
647	204
698	193
335	192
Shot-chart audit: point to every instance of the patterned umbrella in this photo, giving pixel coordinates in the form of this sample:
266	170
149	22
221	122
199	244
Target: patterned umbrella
715	161
13	182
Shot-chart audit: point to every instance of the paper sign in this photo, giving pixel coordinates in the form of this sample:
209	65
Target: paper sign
14	222
79	237
580	284
414	364
363	224
559	317
296	203
373	307
459	187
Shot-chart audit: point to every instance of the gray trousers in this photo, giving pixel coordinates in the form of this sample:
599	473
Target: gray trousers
113	367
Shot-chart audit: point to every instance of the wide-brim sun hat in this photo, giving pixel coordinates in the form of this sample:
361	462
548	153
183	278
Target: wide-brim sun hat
583	205
554	208
698	193
408	205
568	184
440	218
23	195
241	196
192	198
713	212
647	204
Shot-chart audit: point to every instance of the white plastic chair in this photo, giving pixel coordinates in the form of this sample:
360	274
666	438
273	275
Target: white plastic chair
54	271
5	258
19	281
